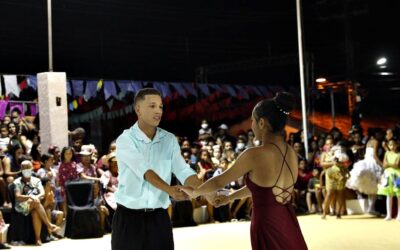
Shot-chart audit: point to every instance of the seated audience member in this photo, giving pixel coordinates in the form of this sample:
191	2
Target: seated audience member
85	169
28	193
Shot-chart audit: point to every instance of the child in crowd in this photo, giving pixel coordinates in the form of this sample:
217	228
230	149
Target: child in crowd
314	193
390	181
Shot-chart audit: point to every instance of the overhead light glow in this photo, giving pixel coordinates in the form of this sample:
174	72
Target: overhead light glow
321	79
381	61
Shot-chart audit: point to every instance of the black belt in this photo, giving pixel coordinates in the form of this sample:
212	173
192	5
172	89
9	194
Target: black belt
143	210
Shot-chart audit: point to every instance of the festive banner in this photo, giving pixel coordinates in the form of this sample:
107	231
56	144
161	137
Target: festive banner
91	88
77	86
32	81
179	88
189	87
256	90
11	85
230	90
204	88
163	88
99	84
109	89
242	92
69	91
136	86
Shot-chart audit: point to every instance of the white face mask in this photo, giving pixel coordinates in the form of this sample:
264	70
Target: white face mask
204	125
27	173
203	143
240	145
257	143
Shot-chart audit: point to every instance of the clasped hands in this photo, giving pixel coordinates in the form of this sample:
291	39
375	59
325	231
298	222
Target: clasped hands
185	193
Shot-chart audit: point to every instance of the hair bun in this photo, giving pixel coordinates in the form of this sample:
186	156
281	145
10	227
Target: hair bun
285	100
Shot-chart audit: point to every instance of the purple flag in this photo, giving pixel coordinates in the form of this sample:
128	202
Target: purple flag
18	106
179	88
3	108
69	92
204	88
32	81
230	90
135	86
109	89
264	90
189	87
215	87
91	89
163	88
125	86
257	91
242	92
77	86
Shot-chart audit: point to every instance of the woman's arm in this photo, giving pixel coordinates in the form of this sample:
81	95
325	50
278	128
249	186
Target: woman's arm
86	177
7	167
242	166
324	163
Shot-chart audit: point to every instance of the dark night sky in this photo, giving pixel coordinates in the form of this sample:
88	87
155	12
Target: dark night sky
168	40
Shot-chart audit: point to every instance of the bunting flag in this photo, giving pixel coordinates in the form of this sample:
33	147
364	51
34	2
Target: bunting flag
109	89
99	84
75	104
256	90
163	88
204	88
90	91
189	87
71	106
3	108
215	87
263	90
136	86
69	91
77	86
230	90
32	81
179	88
242	92
124	86
11	84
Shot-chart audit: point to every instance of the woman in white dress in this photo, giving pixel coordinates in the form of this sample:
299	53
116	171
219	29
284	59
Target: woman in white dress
366	173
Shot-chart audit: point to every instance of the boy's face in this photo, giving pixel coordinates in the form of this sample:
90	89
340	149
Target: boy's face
315	172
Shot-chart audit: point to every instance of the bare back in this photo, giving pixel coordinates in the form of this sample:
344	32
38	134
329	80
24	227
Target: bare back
275	166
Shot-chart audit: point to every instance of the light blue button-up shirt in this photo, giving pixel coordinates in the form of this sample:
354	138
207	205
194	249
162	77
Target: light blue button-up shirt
136	154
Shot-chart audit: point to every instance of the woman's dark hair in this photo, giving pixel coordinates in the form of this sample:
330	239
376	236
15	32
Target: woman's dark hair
275	110
63	152
16	127
13	146
35	154
45	157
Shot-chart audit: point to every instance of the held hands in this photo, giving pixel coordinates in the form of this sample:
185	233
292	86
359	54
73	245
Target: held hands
177	193
189	191
221	200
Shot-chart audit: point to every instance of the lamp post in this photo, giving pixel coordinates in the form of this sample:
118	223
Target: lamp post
50	35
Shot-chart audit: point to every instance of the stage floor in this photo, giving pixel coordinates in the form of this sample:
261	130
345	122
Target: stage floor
350	232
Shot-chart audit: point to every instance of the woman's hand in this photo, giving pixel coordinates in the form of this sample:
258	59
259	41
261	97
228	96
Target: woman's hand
221	200
189	191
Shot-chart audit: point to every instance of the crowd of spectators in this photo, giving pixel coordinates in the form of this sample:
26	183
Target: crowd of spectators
327	176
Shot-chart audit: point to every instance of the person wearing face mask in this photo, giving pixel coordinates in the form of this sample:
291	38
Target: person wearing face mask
28	194
240	145
205	131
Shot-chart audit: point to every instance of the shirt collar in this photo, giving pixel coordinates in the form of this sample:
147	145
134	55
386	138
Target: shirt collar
140	135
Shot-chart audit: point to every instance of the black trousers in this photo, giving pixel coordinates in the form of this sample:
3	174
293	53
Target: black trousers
139	230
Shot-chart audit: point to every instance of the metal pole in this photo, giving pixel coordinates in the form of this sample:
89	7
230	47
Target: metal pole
302	85
333	108
50	35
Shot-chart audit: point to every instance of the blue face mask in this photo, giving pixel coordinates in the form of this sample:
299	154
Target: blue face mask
27	173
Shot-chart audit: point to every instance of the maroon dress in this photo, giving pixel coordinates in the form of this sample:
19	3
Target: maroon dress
274	224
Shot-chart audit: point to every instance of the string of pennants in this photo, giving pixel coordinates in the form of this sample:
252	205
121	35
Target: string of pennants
80	91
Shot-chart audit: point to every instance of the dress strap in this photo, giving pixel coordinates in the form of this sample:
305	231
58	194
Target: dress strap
285	194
